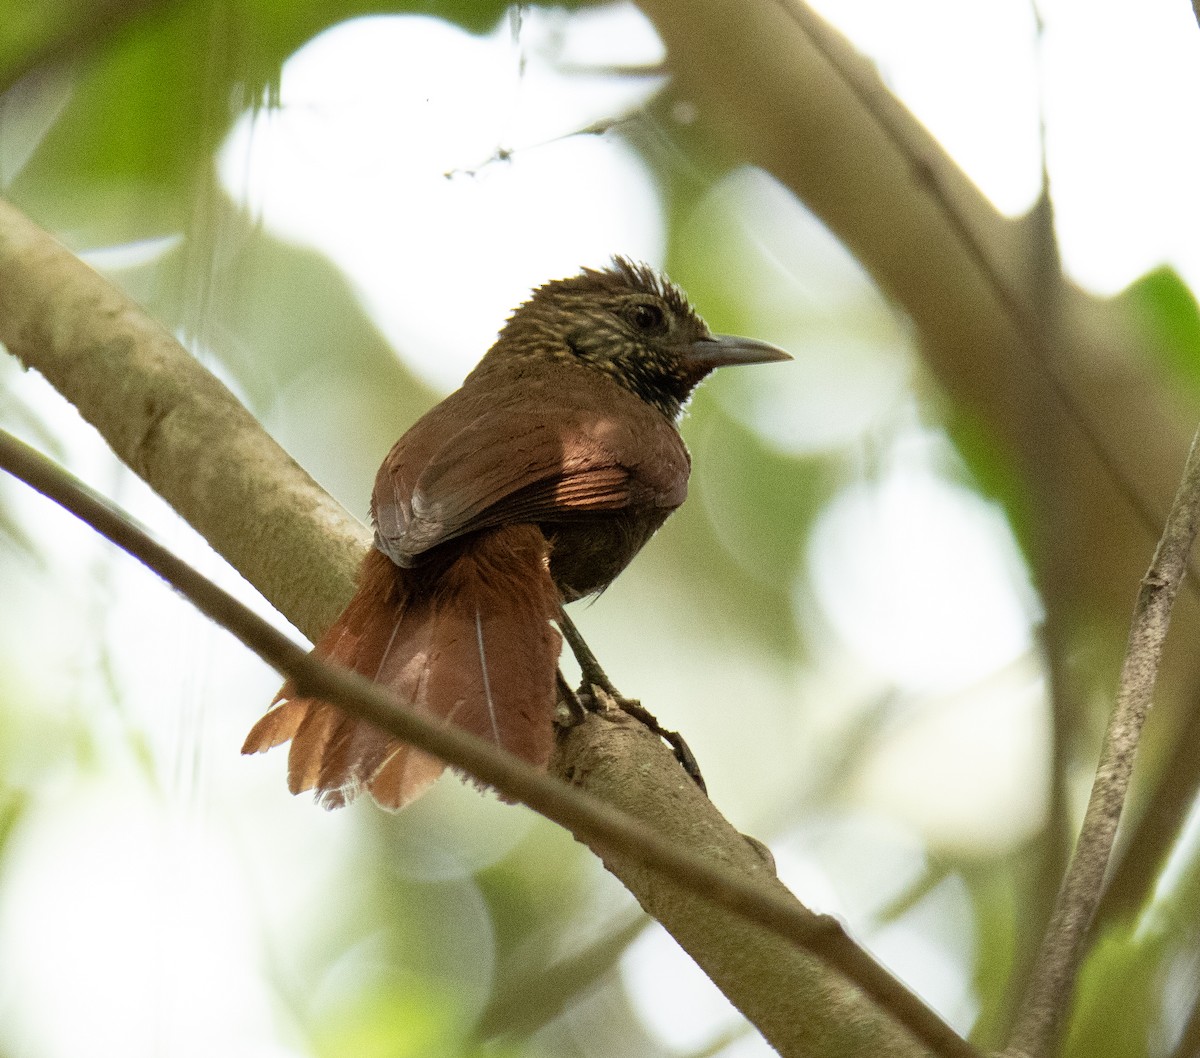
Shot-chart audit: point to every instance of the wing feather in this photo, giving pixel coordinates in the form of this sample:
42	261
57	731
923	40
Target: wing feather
504	469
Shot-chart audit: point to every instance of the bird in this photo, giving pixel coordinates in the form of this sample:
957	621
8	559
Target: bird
531	486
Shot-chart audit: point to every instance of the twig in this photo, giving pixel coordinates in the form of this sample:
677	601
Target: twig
589	819
523	1002
1059	959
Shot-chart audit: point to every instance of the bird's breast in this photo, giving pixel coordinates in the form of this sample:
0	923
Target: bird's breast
587	552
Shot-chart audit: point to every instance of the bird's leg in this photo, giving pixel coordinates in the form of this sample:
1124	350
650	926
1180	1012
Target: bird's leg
573	711
589	667
595	680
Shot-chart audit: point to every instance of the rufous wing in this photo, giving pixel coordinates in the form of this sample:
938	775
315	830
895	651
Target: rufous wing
536	467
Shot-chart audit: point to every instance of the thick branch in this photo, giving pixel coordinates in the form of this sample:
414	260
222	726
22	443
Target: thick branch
1053	980
702	864
179	428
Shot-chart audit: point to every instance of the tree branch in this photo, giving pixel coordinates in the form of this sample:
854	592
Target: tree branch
678	885
1052	984
179	428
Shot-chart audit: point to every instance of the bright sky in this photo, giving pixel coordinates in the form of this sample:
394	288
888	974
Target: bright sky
383	156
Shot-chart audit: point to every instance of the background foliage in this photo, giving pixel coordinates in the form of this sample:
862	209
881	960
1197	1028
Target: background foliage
843	519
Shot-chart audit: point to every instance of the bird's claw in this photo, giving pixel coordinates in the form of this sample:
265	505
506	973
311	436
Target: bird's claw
596	694
601	699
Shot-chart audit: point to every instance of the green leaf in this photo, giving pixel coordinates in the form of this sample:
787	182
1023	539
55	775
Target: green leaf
1165	306
1119	996
155	101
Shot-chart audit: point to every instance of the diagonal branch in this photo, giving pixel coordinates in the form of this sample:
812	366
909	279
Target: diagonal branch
1052	984
739	880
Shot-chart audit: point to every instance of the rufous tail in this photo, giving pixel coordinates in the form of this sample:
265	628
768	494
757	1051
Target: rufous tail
474	648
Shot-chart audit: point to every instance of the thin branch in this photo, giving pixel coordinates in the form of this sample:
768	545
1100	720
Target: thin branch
1052	984
759	899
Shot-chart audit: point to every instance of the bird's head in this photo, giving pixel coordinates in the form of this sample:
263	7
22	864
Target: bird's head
632	324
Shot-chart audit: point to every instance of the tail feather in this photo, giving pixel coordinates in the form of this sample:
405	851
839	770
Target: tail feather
404	776
275	728
309	744
474	647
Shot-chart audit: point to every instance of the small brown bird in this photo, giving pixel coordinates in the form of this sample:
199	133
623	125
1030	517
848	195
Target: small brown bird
533	485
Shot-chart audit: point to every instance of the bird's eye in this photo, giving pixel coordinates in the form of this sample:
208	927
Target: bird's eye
648	318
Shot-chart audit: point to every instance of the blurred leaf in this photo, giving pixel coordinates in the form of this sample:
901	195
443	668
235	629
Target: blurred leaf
1117	1004
538	887
402	1019
530	994
992	468
141	126
995	903
29	28
281	26
157	100
763	501
14	534
734	546
58	29
13	803
281	312
1162	303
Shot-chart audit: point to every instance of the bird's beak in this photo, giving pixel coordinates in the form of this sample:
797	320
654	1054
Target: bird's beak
723	350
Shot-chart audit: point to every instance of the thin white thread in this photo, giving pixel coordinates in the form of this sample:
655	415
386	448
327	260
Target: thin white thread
388	649
487	686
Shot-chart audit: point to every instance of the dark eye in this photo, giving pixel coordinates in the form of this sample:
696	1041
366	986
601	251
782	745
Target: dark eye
648	318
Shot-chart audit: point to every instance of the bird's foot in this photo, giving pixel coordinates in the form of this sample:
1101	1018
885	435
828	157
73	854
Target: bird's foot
596	694
598	698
